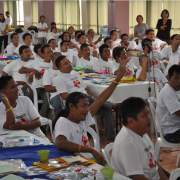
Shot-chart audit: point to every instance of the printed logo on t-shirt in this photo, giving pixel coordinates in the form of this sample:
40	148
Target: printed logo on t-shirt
76	83
22	118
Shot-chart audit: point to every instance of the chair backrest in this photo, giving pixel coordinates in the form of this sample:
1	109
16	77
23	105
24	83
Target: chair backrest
175	174
95	137
152	105
107	153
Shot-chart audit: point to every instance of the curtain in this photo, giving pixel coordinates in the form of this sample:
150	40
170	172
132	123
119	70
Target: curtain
97	14
34	12
67	12
136	7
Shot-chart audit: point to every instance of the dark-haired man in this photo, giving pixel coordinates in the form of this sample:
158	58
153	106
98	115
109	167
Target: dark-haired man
10	49
13	68
168	106
17	112
133	152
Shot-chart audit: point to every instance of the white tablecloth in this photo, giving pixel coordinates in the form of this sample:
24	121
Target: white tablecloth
124	90
20	138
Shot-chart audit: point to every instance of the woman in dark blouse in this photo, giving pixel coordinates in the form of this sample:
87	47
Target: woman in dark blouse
164	26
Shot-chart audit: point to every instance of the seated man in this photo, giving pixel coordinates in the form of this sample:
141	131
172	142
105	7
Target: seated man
71	128
148	70
86	60
168	106
17	112
133	153
10	49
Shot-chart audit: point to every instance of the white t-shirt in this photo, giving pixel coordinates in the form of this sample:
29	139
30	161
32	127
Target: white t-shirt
116	43
134	155
103	66
10	49
40	66
91	64
156	45
68	83
160	78
49	75
174	57
69	54
2	27
9	20
167	104
132	45
17	49
24	111
42	33
74	132
13	68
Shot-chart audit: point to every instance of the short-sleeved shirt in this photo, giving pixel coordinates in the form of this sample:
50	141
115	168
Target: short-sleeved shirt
167	104
42	26
74	132
10	49
68	83
24	111
133	154
140	30
2	27
40	66
12	69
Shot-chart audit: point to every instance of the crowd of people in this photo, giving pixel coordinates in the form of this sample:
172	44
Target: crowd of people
46	62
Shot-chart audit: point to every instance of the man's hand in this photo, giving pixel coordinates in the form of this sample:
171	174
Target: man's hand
98	156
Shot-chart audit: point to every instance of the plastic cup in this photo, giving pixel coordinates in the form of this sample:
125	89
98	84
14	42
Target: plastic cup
43	155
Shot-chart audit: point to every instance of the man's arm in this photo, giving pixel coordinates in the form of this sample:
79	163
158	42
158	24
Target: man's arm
143	74
63	144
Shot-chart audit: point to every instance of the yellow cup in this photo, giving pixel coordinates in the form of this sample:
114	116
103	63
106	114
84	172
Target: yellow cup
43	155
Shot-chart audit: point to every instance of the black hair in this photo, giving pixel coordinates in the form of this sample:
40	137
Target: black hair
79	35
131	107
53	23
62	42
166	11
173	36
146	42
139	16
4	81
117	51
44	47
49	41
149	30
101	48
25	35
13	34
22	48
112	31
37	47
58	60
72	100
3	20
174	69
122	35
84	46
106	39
62	35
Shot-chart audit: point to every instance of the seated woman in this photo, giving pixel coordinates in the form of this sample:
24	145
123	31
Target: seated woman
71	128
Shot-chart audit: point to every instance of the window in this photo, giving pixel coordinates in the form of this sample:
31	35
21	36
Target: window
136	7
20	12
67	12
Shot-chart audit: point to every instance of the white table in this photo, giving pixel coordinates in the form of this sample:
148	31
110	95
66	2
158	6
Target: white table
124	90
22	135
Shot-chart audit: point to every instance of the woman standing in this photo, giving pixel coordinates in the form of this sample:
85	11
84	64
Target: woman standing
3	32
140	28
164	26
